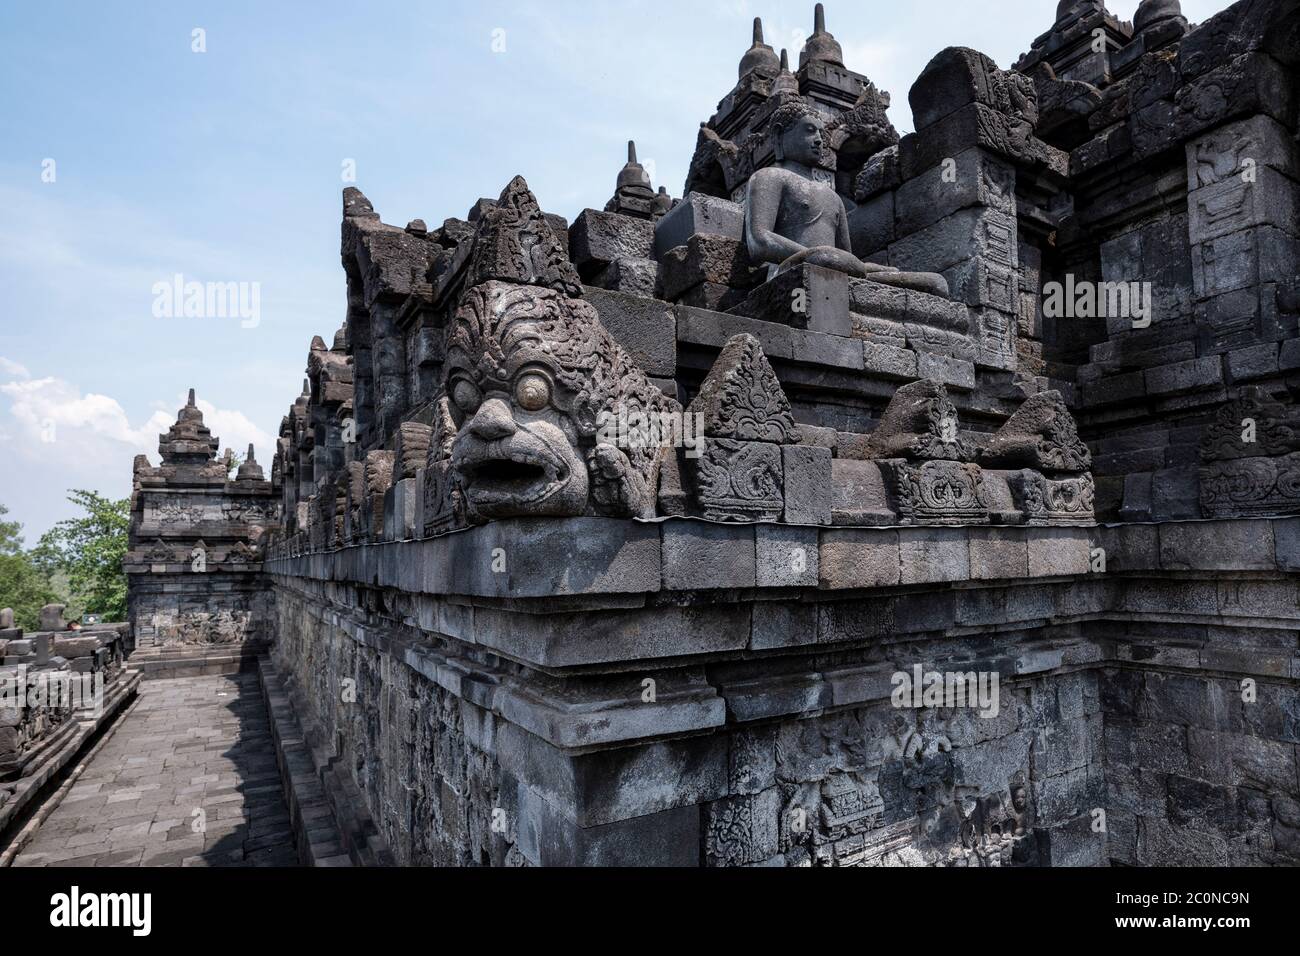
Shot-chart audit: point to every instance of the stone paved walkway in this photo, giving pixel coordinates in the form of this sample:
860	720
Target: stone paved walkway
188	779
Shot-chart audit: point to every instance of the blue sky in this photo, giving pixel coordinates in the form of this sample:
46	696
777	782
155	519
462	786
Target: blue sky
226	166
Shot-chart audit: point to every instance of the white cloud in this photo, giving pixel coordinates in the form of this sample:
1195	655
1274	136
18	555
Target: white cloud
13	369
51	418
235	430
53	438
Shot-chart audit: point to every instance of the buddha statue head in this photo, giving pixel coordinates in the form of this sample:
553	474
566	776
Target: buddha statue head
799	135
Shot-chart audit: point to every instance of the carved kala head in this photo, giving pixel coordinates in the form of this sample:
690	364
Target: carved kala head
531	377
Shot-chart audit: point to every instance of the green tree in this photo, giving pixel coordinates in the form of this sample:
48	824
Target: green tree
11	534
23	585
232	460
89	550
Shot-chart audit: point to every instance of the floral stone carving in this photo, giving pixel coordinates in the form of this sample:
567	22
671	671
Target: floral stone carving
745	416
1250	458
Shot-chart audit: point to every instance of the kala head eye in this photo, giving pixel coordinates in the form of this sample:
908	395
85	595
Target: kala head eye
532	392
466	395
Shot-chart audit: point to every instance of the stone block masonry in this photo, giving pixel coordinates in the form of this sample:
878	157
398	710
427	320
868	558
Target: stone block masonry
195	543
534	712
784	524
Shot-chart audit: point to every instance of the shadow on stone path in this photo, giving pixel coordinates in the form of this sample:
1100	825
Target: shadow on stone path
188	779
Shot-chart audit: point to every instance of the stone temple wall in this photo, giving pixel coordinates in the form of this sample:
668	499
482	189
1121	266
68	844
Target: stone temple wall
773	737
529	628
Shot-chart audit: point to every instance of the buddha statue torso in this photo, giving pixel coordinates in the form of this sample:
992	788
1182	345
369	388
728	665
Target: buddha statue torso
809	212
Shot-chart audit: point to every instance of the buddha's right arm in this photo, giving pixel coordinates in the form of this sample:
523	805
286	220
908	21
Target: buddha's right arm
762	242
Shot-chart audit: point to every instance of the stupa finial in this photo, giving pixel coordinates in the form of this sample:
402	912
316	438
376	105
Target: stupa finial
759	56
785	81
821	45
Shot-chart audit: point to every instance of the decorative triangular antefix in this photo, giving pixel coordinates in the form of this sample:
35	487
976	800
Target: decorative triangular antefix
355	483
1040	434
241	553
515	243
919	423
378	472
741	399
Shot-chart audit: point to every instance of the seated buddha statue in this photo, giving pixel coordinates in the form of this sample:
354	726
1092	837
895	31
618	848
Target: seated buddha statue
794	216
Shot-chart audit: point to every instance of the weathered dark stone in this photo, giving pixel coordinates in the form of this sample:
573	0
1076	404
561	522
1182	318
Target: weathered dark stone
597	239
515	243
1041	434
479	557
920	422
705	258
698	215
646	329
805	296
